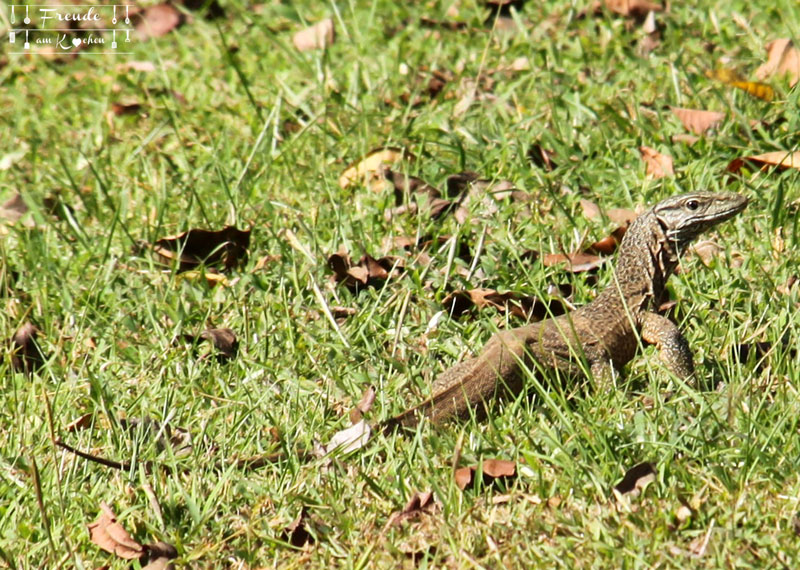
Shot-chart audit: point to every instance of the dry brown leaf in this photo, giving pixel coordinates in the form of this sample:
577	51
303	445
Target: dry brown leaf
635	480
158	20
418	503
127	108
491	469
706	250
684	138
13	208
783	58
349	439
590	209
523	306
634	8
698	121
109	535
785	288
542	157
367	272
658	165
373	164
158	556
227	247
26	355
80	423
578	262
364	406
297	533
779	159
224	340
608	244
319	36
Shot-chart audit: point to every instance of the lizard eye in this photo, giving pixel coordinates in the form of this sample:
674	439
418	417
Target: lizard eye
692	204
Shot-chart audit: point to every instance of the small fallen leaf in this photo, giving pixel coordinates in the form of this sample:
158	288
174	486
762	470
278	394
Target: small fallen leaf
80	423
367	272
698	121
26	355
109	535
490	468
523	306
578	262
224	341
13	208
158	20
127	108
658	165
706	250
779	159
372	164
227	247
349	439
157	556
542	157
418	503
783	58
785	288
297	533
635	480
364	406
608	244
319	36
634	8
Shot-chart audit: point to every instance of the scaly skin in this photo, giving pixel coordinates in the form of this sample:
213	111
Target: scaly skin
602	334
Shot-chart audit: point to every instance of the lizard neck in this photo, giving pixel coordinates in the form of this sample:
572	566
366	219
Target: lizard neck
646	260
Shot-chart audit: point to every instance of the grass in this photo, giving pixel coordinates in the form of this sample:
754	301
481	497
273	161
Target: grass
727	448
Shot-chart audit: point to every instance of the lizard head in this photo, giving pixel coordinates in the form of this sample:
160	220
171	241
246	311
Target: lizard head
685	217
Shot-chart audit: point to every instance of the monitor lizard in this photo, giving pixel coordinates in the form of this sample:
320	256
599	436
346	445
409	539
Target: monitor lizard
604	334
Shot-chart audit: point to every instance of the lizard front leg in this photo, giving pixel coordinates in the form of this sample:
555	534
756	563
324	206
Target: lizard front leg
673	349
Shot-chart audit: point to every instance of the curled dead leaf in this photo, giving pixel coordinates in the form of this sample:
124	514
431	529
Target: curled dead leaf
372	164
658	165
698	121
578	262
224	341
635	480
364	406
13	209
608	244
419	503
638	9
319	36
158	20
523	306
349	439
492	469
779	159
26	355
297	533
108	534
367	272
226	247
783	58
157	556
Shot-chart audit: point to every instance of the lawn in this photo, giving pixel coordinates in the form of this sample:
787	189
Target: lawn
225	121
